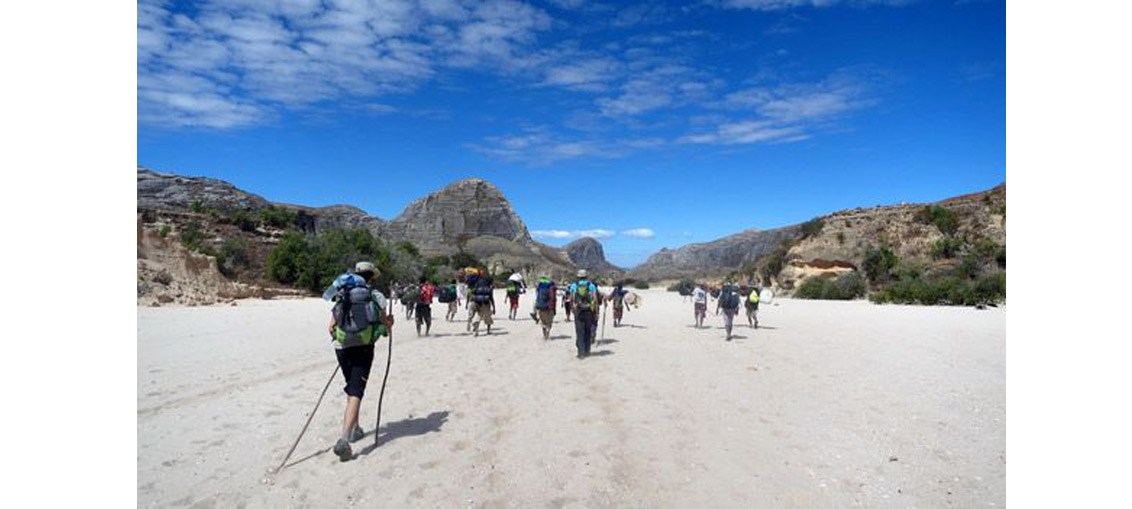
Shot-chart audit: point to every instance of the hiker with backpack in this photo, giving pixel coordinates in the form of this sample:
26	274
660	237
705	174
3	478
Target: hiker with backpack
583	295
482	305
449	294
514	288
545	294
729	303
618	299
357	320
567	304
751	304
699	304
425	292
410	295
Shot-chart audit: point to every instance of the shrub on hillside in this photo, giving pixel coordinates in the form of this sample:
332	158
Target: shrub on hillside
947	247
878	263
943	218
845	287
312	263
279	217
683	287
192	236
944	289
641	285
812	227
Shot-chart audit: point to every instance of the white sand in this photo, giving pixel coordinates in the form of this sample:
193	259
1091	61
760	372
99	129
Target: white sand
830	404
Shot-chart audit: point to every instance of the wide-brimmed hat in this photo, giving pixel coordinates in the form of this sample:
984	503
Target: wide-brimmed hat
366	267
582	273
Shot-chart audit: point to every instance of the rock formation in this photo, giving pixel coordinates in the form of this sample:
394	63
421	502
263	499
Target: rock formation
587	253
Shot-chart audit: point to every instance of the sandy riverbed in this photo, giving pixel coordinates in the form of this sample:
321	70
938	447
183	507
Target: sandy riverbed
828	404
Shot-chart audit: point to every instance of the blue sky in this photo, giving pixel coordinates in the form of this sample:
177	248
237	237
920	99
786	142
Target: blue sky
651	125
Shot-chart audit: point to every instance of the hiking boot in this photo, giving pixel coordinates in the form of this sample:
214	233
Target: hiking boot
357	434
342	449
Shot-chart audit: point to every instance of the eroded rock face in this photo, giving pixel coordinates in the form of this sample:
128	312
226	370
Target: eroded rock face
587	253
162	191
711	258
457	213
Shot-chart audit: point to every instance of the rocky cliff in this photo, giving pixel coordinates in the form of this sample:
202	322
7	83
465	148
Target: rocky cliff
163	191
227	225
587	253
461	211
844	238
713	258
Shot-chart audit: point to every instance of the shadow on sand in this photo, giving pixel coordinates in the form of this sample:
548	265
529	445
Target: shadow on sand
606	341
407	428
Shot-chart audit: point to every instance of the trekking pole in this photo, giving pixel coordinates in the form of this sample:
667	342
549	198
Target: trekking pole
381	396
309	418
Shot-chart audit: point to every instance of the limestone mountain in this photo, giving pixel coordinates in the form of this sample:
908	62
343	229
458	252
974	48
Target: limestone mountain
588	253
839	242
163	191
713	258
461	211
239	230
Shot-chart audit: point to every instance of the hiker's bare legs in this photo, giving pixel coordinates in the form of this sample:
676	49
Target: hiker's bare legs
350	420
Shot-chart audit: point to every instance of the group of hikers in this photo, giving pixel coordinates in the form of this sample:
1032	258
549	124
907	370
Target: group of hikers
361	314
728	297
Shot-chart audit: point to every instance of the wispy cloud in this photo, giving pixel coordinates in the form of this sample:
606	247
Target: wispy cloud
230	63
640	233
544	146
597	233
787	112
552	234
774	5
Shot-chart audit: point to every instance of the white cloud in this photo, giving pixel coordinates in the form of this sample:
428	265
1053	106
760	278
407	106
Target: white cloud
597	233
772	5
553	234
640	233
252	60
787	112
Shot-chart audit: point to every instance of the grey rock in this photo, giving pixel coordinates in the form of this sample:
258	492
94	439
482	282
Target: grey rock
712	258
588	253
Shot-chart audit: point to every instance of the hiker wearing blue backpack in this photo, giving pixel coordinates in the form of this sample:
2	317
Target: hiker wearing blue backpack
545	296
360	317
584	296
729	303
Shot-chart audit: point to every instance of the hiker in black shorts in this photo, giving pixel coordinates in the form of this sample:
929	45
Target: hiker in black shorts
354	345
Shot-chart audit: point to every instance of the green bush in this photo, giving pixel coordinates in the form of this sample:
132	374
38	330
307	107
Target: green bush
641	285
944	289
233	255
242	219
1000	257
408	248
947	247
775	261
279	217
196	207
192	236
683	287
878	263
312	263
462	260
164	231
943	218
845	287
812	227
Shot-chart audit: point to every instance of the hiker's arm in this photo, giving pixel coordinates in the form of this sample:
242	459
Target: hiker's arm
333	322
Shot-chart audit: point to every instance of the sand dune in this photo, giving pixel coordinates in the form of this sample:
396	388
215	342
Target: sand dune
829	404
